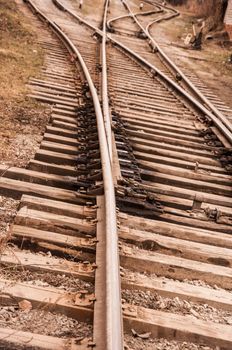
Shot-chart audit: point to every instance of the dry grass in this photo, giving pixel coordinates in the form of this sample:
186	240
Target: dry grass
20	58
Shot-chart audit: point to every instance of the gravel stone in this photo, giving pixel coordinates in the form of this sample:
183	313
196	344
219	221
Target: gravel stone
176	305
45	279
43	322
8	210
4	345
200	283
161	344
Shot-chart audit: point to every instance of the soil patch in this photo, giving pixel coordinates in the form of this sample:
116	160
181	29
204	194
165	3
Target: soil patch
210	64
22	120
8	210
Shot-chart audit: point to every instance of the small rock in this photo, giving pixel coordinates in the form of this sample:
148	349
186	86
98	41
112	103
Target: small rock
144	335
229	320
194	313
25	305
135	334
10	308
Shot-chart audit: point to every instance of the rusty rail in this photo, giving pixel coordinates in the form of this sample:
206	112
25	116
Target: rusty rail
105	99
113	323
222	123
192	88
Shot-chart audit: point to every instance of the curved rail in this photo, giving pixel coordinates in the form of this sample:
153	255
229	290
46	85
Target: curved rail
105	99
113	322
136	14
189	98
192	88
226	131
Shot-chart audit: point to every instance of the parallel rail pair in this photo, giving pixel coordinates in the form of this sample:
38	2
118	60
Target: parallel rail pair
109	334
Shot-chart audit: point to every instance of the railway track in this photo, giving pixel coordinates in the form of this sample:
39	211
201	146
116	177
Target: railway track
132	167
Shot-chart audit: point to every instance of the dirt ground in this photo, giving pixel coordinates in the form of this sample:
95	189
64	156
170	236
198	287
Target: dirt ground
210	64
87	12
22	120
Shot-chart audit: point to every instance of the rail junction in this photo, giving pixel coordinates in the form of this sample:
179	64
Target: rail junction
129	192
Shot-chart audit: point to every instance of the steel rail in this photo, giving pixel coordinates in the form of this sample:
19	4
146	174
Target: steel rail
193	89
105	98
137	14
113	322
145	13
183	93
188	98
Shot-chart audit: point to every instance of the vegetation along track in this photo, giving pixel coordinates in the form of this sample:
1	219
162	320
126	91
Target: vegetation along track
170	159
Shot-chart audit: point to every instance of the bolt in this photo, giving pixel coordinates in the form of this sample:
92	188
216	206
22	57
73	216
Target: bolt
91	344
94	266
83	293
93	299
78	340
85	265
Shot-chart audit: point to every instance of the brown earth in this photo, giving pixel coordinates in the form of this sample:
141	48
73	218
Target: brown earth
210	64
211	9
22	120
